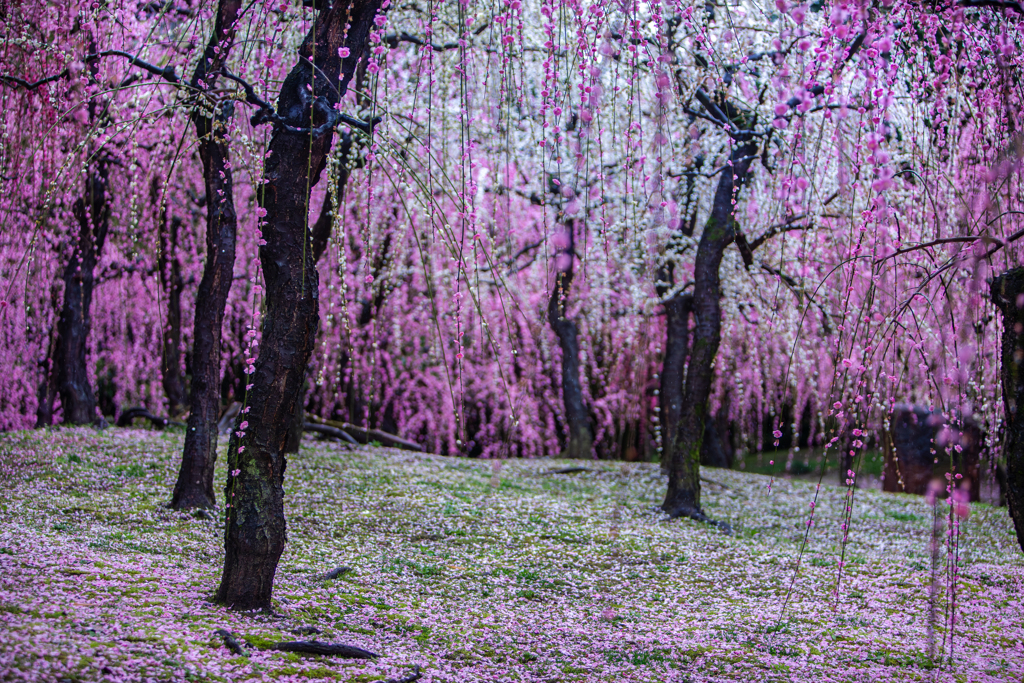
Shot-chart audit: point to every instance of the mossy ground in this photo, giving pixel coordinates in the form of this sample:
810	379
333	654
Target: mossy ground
477	572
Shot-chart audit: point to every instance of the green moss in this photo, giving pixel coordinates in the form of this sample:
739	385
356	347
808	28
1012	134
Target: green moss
262	642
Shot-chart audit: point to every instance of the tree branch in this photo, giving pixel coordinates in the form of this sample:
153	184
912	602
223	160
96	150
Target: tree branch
996	4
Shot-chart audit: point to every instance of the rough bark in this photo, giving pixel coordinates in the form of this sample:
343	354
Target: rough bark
677	342
255	529
194	488
172	284
682	452
1008	295
92	212
47	390
320	233
581	439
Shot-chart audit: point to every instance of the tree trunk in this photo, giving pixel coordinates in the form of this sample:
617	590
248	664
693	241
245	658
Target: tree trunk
47	390
320	234
683	451
172	283
194	488
93	215
1008	295
581	439
670	394
255	529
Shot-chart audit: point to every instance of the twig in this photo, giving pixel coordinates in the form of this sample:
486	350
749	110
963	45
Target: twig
712	481
232	644
997	4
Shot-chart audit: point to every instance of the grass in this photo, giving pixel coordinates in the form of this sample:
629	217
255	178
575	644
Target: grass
535	578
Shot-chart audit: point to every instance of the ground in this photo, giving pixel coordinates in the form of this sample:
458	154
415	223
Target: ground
481	572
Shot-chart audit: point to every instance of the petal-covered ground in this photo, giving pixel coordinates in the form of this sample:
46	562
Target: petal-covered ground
476	572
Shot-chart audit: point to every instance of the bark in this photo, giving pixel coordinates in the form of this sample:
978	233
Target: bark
673	371
682	451
320	234
321	231
1008	295
172	283
92	212
581	439
194	488
47	390
255	529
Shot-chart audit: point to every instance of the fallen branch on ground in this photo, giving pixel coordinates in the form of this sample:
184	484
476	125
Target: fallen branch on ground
126	417
334	573
712	481
566	470
315	647
232	644
365	435
327	430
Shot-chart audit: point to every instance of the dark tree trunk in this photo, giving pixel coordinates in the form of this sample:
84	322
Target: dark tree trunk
320	234
47	391
677	323
93	215
1008	295
683	451
581	439
194	488
172	284
255	529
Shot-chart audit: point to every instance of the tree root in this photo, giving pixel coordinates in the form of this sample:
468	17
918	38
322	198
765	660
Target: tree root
334	573
699	516
232	644
315	647
414	676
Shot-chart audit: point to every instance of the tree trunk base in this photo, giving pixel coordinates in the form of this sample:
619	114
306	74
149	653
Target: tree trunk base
194	500
696	514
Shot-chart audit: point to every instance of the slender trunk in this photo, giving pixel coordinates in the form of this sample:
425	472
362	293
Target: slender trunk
255	529
172	283
194	488
320	234
1008	295
93	215
581	439
683	452
677	342
47	391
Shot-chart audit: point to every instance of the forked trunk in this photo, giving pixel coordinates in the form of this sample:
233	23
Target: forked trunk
682	453
255	529
194	488
1008	295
